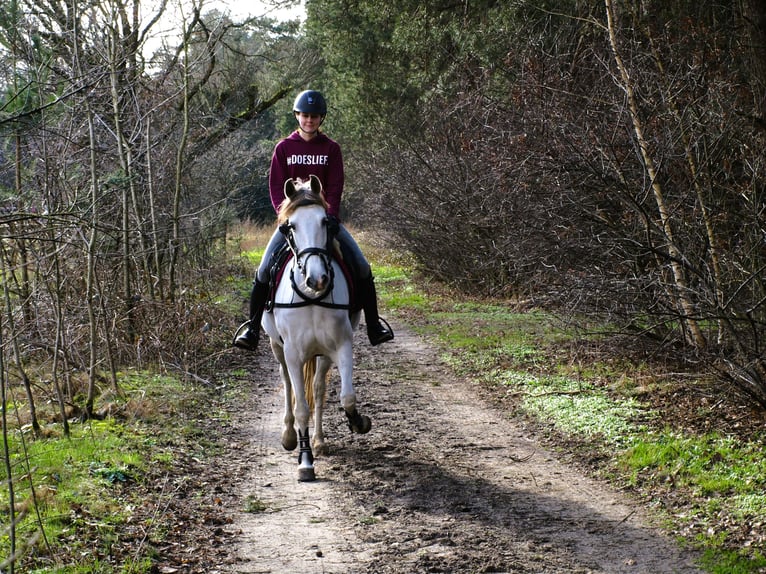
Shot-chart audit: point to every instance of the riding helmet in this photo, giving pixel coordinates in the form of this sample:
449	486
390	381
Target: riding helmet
310	102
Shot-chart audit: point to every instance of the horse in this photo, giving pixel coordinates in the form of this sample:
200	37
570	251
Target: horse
310	324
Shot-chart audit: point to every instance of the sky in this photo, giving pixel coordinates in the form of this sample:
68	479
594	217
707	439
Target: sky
238	9
257	8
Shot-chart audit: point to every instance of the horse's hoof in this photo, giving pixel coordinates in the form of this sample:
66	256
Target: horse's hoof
360	424
306	474
366	425
289	440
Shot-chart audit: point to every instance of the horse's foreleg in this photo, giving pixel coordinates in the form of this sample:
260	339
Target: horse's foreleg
305	456
320	390
289	437
356	422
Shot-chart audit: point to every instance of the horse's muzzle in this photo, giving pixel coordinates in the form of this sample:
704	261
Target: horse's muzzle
318	284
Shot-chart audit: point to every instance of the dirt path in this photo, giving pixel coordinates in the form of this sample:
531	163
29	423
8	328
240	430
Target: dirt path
444	482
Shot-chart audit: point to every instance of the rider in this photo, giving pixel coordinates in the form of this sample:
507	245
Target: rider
305	152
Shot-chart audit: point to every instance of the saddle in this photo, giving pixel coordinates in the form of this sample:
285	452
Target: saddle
281	260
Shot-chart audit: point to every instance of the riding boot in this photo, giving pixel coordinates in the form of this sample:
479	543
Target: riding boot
248	339
376	330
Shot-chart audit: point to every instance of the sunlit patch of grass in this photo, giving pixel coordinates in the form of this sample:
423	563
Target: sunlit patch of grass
473	330
727	478
84	481
75	473
586	415
396	290
721	561
249	239
405	300
751	505
576	407
131	566
254	256
385	274
710	464
94	566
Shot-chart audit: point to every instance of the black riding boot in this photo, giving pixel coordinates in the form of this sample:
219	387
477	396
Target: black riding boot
248	339
376	331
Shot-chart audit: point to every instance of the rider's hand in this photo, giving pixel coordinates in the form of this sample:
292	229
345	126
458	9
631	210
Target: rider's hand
333	225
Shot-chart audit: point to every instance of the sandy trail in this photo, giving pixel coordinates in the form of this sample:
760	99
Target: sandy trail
444	482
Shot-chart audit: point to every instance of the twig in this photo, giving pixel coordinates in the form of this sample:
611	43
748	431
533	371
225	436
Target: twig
189	374
577	392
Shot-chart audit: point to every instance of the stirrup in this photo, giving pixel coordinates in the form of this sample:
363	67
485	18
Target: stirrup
384	336
246	339
238	332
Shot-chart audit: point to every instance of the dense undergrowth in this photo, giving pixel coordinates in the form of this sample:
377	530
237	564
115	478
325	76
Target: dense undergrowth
675	439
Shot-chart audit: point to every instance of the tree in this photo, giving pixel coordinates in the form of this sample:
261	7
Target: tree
599	158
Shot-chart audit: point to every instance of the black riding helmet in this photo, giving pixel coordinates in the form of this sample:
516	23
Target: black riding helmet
310	102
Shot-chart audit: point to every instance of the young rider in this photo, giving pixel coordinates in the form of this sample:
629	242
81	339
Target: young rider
305	152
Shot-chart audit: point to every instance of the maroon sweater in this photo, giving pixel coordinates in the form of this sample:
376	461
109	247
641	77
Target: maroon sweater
296	158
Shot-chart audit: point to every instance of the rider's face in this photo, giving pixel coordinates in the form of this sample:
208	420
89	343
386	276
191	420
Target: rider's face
309	122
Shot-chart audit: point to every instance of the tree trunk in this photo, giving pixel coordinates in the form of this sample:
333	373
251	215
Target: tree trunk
754	20
693	332
7	454
153	216
4	266
176	237
90	273
697	180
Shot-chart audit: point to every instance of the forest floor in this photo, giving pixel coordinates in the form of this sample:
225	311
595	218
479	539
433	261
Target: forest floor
446	481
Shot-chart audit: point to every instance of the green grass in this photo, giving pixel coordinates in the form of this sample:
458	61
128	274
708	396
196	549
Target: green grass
710	465
723	561
576	407
131	566
255	505
79	472
84	482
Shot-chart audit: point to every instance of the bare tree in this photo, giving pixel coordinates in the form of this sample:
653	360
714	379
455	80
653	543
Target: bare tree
681	291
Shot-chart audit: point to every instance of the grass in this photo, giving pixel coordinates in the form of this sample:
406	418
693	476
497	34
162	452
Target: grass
255	505
72	493
710	465
726	478
74	471
581	409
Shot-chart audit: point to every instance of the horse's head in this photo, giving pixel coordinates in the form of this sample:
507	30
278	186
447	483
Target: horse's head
303	220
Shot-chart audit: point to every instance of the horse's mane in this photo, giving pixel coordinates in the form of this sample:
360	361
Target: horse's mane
305	196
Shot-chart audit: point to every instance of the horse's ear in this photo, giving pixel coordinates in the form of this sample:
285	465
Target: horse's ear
290	189
316	185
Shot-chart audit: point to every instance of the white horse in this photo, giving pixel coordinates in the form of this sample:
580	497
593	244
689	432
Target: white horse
311	325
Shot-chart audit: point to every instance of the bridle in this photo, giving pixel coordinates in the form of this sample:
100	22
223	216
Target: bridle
300	259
